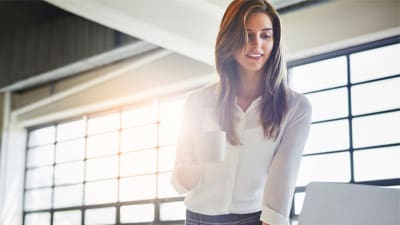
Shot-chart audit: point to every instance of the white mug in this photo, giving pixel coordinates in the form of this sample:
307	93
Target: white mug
210	146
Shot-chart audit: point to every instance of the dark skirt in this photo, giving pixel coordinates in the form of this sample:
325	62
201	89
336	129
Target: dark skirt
193	218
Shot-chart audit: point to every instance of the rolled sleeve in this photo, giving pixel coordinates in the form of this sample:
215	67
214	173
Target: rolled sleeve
273	218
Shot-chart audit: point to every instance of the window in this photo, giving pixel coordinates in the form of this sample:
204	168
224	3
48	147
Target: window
355	131
112	168
115	168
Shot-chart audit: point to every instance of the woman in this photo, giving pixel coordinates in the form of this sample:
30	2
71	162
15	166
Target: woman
266	126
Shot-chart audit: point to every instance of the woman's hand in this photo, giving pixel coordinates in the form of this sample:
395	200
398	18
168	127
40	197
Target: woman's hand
264	223
189	176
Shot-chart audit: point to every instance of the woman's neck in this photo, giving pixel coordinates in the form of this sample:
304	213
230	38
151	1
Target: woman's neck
250	84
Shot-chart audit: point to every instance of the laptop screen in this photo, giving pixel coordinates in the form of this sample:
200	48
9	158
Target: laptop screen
350	204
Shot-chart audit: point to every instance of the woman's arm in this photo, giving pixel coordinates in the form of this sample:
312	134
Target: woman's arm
187	171
189	176
282	174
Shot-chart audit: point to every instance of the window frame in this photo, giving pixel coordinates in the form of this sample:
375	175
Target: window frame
158	201
347	52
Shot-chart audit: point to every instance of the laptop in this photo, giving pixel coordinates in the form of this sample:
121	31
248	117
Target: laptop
328	203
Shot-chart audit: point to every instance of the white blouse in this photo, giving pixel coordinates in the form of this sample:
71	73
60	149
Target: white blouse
259	174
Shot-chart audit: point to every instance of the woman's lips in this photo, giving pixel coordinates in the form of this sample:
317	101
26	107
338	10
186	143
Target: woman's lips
254	57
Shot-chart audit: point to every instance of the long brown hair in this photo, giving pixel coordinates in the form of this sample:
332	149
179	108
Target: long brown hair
232	36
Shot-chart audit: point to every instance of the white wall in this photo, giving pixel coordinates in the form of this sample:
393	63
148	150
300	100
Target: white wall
12	166
338	24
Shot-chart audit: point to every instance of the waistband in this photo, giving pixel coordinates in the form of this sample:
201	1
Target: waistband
222	219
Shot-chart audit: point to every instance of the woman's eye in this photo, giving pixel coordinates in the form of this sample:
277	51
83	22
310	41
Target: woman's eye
262	36
265	36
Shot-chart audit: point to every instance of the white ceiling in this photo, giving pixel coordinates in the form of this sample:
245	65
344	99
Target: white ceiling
186	27
277	3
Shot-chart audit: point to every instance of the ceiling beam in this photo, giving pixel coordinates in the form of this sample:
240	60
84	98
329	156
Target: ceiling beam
93	62
185	27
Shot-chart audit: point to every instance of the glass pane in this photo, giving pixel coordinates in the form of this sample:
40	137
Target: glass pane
40	177
377	164
171	110
41	156
70	150
137	188
168	132
329	104
140	162
376	130
37	218
375	63
100	216
102	124
328	136
376	96
166	159
298	202
38	199
69	173
165	189
139	116
319	75
66	196
42	136
101	145
172	211
72	217
102	168
139	138
137	213
71	130
101	192
334	167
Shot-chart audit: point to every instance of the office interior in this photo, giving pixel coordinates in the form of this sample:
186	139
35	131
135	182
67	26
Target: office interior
91	94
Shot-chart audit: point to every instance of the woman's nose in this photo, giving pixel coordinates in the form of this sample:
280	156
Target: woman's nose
255	43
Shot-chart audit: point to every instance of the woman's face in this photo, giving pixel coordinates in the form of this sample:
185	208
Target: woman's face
254	55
